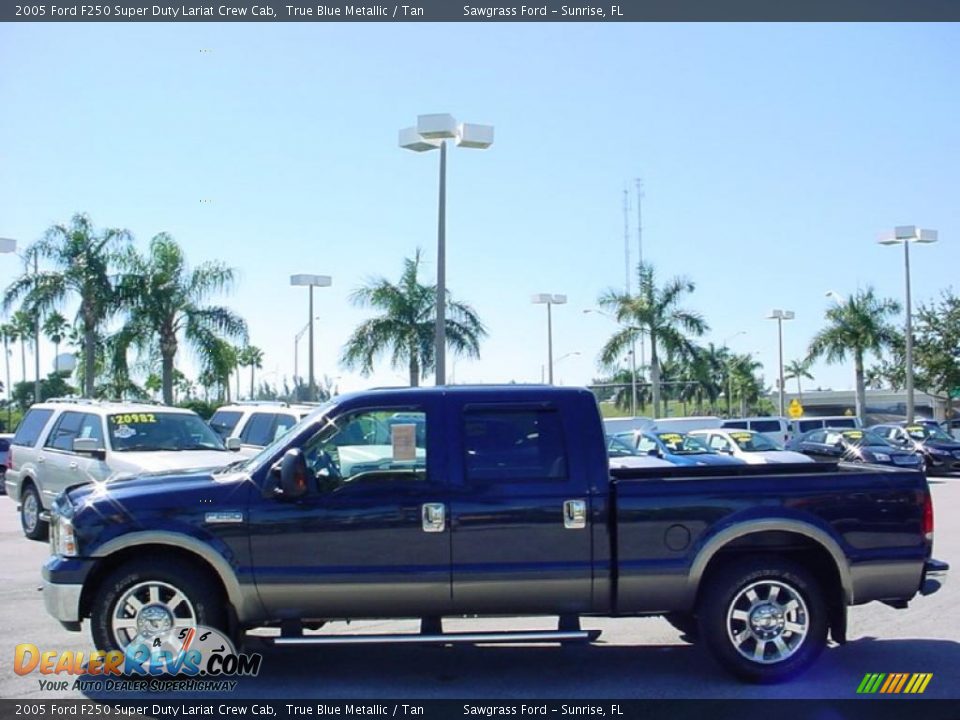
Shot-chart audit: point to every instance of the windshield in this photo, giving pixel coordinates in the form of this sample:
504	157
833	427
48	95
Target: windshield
925	432
864	437
619	448
682	444
753	442
148	431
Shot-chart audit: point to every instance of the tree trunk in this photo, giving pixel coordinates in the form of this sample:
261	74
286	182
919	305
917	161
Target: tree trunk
414	371
655	375
23	358
89	358
238	382
252	369
861	390
166	375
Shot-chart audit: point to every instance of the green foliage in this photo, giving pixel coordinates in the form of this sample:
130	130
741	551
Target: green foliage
936	349
54	385
205	409
406	325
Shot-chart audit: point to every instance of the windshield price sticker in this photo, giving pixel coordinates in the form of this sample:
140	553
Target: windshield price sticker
670	438
128	418
740	436
404	441
853	434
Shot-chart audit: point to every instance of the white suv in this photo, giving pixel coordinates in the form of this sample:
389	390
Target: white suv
62	443
257	423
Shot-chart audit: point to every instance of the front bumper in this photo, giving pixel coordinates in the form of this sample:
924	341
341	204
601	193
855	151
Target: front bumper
934	576
63	586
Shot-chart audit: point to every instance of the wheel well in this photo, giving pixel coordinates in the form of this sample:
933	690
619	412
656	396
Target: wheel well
144	553
800	549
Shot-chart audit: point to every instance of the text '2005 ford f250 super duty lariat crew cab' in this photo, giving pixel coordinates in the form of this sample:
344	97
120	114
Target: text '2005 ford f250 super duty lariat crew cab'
428	503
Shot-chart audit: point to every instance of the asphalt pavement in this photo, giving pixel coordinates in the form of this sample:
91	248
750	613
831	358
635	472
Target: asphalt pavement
633	658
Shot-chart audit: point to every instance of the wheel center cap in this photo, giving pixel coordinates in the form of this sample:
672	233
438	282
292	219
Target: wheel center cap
766	619
153	620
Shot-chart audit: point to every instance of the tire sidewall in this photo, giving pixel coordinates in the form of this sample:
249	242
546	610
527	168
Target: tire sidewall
207	605
39	531
727	585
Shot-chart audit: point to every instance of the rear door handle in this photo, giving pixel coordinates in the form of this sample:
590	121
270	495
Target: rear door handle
575	514
73	466
434	517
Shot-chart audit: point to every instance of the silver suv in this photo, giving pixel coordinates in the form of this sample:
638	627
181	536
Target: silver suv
258	423
62	443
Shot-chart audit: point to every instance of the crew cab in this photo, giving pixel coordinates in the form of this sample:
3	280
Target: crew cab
489	501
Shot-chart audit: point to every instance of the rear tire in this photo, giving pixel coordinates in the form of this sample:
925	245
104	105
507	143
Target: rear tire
764	619
30	509
172	594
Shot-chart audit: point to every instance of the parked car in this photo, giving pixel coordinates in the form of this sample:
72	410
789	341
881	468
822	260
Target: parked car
623	455
676	448
802	425
65	442
685	424
751	447
940	451
777	429
257	423
952	428
855	446
507	507
612	426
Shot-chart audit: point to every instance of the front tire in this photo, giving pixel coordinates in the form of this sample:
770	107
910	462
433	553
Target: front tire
30	509
151	597
764	619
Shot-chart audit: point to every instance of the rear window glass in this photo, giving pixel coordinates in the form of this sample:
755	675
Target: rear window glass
224	421
805	425
850	423
766	426
741	424
31	426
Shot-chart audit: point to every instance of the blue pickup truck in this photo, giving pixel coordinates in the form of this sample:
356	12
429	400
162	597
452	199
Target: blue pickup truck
434	503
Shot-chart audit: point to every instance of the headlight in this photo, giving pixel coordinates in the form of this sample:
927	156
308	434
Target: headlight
937	451
881	457
63	539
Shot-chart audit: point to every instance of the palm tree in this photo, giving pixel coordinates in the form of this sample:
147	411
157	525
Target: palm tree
656	313
9	334
745	380
854	328
55	327
83	258
798	369
250	356
405	328
166	302
24	327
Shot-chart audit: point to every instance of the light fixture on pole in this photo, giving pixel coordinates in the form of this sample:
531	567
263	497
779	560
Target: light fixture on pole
907	234
310	281
780	316
430	133
549	300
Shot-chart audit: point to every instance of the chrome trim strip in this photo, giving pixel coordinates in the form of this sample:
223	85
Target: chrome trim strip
479	637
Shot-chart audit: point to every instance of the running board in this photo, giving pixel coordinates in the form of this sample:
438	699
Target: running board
530	636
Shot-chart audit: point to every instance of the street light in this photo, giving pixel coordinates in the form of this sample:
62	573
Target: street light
780	316
907	234
549	301
430	133
633	358
311	281
838	298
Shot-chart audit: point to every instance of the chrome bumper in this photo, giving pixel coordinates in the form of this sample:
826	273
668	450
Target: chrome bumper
62	601
934	576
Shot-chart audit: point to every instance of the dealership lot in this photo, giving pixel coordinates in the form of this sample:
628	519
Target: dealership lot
639	658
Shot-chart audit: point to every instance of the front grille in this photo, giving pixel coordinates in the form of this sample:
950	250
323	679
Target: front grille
904	460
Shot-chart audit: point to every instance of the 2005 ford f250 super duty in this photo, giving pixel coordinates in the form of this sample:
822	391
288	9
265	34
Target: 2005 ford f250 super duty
428	503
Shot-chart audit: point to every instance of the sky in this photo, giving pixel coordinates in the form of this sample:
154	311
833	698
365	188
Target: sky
772	157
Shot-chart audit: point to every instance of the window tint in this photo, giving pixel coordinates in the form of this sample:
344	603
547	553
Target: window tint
765	426
92	427
4	445
645	444
31	426
284	423
224	421
844	423
741	424
805	425
65	431
817	436
718	442
259	429
514	445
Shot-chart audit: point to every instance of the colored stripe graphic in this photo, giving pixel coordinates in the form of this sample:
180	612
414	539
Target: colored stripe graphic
894	683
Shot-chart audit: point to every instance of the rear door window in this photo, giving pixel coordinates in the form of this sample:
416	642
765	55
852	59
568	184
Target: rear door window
765	426
224	421
259	429
805	425
739	424
31	426
65	431
514	445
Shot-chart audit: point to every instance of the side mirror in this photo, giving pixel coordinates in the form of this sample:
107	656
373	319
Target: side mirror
89	446
233	444
293	475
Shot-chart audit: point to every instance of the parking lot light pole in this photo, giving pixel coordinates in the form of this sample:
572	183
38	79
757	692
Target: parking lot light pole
907	234
311	281
780	316
430	133
549	300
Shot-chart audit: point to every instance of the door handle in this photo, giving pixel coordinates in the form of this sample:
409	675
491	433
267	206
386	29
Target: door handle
434	517
73	466
575	514
41	459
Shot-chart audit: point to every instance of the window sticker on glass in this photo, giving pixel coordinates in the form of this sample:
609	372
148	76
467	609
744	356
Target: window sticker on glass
740	435
124	431
129	418
404	441
853	434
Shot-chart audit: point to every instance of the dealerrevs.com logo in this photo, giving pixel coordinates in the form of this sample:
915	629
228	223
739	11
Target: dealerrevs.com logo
200	658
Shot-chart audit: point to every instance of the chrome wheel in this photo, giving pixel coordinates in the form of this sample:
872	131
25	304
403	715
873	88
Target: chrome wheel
767	622
148	609
30	512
